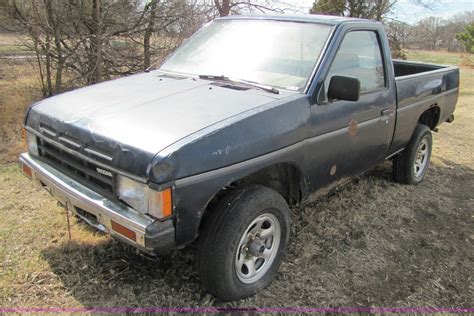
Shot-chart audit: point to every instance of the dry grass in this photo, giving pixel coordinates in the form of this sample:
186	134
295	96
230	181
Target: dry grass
441	57
370	243
19	87
14	44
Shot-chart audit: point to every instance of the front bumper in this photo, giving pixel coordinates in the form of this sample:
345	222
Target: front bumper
104	214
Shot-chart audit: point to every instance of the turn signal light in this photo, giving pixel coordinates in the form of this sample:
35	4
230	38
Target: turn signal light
167	204
27	170
160	203
124	231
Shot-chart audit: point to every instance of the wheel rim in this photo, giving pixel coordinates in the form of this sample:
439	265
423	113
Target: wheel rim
421	158
258	248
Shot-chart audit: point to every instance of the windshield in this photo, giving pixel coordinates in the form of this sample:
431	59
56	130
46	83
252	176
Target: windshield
274	53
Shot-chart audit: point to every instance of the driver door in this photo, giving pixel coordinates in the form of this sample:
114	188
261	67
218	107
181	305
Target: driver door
349	137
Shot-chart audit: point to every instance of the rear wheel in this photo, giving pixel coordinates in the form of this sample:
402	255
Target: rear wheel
412	164
241	245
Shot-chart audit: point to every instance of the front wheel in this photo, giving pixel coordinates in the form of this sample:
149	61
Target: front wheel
412	164
242	244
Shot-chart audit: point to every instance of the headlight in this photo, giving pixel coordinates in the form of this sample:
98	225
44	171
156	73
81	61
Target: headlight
133	193
144	199
31	143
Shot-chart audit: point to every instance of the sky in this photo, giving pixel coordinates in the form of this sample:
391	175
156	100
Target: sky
408	12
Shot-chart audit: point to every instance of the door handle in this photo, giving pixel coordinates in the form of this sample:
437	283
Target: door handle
387	112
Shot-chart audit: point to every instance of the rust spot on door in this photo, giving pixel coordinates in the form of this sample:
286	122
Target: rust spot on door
353	128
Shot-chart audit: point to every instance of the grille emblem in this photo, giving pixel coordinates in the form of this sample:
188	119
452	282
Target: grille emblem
104	172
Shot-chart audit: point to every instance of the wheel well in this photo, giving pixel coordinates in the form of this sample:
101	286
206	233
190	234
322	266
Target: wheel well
430	117
285	178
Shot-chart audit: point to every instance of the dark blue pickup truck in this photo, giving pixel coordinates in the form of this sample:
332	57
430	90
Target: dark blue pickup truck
251	115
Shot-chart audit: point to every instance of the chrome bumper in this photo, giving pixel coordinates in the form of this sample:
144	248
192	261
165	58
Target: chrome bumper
150	235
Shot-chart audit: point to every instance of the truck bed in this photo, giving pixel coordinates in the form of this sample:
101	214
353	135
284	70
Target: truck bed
421	86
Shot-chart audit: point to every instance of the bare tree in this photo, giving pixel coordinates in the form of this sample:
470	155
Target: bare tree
399	34
80	42
434	33
431	30
227	7
400	31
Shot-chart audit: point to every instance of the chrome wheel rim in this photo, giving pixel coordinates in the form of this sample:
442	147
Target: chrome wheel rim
257	248
421	158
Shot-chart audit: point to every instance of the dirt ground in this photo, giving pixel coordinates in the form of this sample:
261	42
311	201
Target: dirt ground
371	242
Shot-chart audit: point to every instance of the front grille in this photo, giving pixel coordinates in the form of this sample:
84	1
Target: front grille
79	169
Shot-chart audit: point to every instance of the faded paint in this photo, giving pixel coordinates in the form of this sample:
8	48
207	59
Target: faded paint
352	128
333	170
171	131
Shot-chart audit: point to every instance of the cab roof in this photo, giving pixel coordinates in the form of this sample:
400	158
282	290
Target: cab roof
307	18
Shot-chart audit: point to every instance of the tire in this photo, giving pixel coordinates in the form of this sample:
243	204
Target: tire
225	242
407	167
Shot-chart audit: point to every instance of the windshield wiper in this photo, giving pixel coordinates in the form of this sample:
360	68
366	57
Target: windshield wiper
241	81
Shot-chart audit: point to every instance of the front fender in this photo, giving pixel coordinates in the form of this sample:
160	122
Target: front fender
192	195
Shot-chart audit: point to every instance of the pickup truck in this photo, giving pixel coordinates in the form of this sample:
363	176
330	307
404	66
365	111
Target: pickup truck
250	116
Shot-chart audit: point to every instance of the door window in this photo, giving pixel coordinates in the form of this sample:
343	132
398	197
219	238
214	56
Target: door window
359	56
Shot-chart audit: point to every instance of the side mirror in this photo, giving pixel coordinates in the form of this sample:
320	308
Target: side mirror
344	88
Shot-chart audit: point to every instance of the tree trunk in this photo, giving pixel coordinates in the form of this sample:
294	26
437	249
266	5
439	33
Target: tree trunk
148	33
48	66
96	57
223	8
57	42
40	66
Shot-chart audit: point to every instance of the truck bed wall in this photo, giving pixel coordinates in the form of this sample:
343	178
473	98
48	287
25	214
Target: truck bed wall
406	68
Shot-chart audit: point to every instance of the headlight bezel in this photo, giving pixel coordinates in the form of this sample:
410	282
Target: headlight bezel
144	199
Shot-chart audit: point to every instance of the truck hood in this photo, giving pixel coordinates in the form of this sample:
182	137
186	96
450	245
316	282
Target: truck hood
141	114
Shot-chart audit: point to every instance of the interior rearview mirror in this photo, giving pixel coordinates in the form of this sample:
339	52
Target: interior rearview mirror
343	88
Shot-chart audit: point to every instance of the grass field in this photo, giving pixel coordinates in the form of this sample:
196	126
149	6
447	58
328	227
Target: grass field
370	243
443	58
19	87
13	45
